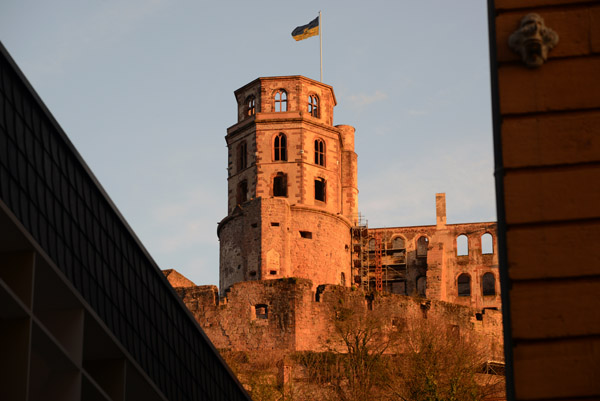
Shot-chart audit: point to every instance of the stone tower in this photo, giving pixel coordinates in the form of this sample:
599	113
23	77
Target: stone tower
292	186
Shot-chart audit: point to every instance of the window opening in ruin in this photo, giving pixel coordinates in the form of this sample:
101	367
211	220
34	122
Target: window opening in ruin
280	100
313	105
280	185
421	285
254	225
274	224
250	106
479	316
422	245
462	245
343	280
318	293
242	156
372	244
487	244
239	267
242	192
398	243
306	234
488	284
464	285
272	272
261	311
319	152
320	189
253	273
280	148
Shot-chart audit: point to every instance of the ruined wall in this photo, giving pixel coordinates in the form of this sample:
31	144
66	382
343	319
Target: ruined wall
287	314
433	254
441	264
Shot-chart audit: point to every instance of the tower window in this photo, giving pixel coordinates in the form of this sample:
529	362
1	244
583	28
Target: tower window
242	156
313	105
280	148
280	185
280	100
320	189
319	152
242	192
250	106
464	285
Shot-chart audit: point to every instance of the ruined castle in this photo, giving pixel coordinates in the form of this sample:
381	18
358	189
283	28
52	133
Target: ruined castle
293	242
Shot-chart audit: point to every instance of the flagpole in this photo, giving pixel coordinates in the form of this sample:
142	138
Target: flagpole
321	43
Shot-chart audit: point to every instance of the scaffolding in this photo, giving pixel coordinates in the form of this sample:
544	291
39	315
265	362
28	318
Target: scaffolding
360	258
378	260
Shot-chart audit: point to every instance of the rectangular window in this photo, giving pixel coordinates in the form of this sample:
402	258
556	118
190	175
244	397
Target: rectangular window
243	157
320	189
280	185
306	234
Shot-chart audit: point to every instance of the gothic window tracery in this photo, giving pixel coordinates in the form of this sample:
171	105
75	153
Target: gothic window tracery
319	152
313	105
280	100
280	147
250	106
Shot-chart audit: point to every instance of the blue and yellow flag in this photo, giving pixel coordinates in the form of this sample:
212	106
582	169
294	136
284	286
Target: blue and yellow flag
306	31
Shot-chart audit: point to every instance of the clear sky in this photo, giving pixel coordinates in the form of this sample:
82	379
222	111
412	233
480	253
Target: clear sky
144	90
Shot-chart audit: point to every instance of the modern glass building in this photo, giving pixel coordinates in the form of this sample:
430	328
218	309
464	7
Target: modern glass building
85	313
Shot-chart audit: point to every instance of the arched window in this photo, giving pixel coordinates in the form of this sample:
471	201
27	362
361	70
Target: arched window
281	100
319	152
320	189
280	148
464	285
462	245
487	244
343	280
250	106
488	284
242	156
422	245
313	105
280	184
398	243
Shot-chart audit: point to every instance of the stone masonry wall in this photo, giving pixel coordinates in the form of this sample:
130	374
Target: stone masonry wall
286	315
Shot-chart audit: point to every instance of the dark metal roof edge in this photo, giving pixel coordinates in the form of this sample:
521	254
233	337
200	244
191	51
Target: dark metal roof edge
500	209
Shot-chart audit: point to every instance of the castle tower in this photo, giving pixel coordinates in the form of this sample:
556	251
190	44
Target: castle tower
292	186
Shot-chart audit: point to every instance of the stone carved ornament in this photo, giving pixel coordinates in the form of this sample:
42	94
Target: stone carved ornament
533	40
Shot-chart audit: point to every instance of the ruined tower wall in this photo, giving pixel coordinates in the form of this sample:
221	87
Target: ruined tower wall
292	187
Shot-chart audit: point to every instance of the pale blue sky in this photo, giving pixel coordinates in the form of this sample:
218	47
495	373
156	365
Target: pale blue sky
144	89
